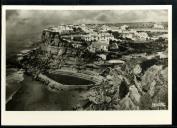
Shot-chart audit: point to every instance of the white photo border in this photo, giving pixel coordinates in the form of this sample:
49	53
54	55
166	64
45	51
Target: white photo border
86	117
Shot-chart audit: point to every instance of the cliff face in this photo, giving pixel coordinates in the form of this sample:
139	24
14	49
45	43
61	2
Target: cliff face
122	92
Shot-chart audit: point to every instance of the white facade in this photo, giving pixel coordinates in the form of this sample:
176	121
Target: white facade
142	35
98	37
134	35
105	28
159	26
64	27
124	27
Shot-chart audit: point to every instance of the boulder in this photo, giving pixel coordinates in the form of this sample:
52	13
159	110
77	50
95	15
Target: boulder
137	69
108	99
134	95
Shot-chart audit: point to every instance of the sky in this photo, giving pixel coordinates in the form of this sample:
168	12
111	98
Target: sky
24	25
88	16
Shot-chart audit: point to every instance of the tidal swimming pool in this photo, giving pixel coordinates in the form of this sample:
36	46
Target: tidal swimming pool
69	80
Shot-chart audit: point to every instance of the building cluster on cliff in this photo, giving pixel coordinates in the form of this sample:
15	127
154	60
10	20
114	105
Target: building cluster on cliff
99	39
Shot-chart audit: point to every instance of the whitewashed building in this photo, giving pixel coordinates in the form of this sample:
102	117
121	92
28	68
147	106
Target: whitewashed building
103	36
124	27
158	26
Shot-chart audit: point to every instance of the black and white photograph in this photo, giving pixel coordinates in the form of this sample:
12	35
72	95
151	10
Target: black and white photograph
91	59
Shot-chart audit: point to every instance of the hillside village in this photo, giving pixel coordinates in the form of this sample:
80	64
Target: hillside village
127	67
